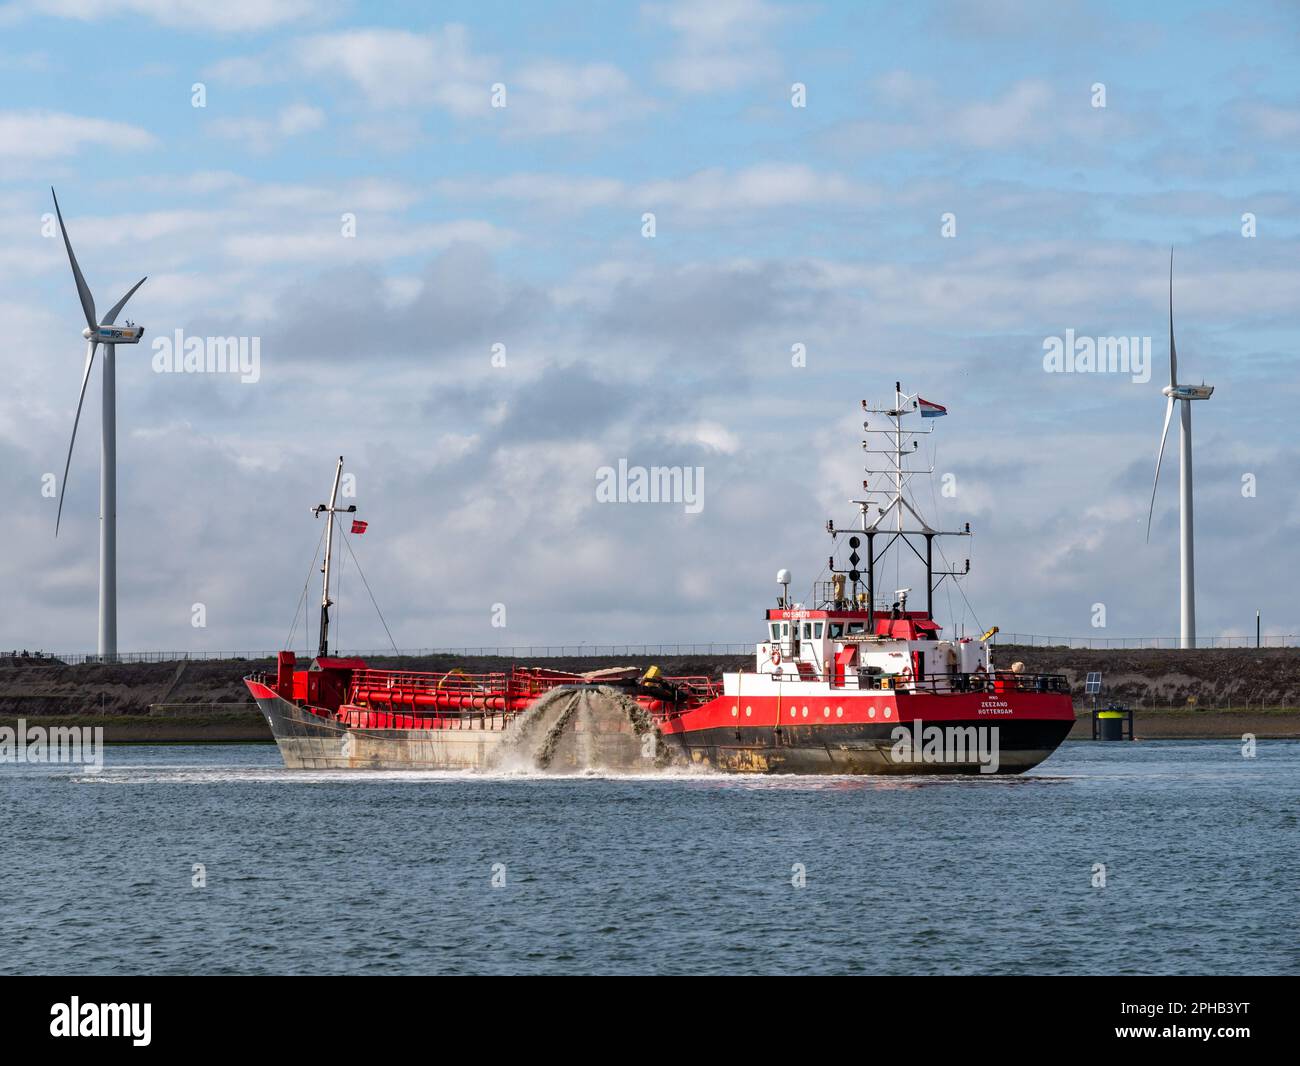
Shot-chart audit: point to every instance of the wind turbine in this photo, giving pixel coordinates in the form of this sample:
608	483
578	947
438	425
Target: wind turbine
1183	394
110	336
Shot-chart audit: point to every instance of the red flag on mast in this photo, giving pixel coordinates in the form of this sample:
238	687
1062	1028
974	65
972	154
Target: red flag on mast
359	526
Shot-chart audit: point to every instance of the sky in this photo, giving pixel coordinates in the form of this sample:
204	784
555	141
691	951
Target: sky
485	251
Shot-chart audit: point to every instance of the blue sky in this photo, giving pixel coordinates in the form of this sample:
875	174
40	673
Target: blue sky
522	225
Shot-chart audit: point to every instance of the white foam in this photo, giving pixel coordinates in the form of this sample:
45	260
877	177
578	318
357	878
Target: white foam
224	775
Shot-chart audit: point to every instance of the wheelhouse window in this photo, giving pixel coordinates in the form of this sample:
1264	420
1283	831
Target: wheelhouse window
775	629
817	630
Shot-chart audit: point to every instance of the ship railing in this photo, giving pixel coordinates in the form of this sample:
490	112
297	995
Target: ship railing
515	688
410	717
979	681
451	682
993	681
700	688
521	683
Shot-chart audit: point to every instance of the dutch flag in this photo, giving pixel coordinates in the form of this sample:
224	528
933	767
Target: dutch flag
930	410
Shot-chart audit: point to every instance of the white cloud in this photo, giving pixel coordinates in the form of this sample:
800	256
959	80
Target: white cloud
1004	120
300	118
551	98
326	244
766	185
1021	114
392	70
1271	121
720	45
561	191
710	435
261	134
763	186
388	68
395	68
364	194
228	16
55	134
201	183
1036	284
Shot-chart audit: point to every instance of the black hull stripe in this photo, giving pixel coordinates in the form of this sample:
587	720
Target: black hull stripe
857	748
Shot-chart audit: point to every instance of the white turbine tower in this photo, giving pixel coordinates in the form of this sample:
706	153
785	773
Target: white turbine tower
1183	394
110	336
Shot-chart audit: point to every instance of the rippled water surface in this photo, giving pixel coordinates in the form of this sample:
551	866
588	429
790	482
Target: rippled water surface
336	872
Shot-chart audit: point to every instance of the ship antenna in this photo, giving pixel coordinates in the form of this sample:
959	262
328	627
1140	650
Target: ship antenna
325	601
893	443
897	416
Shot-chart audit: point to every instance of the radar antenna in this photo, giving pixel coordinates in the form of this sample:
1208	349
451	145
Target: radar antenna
885	511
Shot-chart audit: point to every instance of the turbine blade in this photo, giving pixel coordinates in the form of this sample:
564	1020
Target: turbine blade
111	317
85	377
83	290
1173	352
1164	434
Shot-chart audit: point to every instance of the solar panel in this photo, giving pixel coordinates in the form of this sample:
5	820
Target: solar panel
1092	685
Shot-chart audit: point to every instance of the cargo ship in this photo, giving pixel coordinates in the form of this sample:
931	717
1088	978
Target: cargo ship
848	682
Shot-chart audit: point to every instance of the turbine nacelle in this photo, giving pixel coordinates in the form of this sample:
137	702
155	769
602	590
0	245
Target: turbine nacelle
116	334
1188	392
110	334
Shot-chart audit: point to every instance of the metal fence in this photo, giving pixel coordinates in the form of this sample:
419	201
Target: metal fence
1273	699
1035	640
580	651
531	651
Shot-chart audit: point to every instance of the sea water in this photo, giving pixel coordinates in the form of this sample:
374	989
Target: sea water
1164	857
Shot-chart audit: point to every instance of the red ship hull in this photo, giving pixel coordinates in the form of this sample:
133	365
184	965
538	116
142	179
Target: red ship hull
886	733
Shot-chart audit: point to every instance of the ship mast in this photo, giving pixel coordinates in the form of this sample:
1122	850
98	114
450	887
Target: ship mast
325	601
888	466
